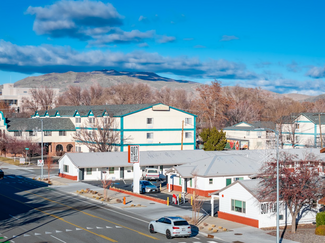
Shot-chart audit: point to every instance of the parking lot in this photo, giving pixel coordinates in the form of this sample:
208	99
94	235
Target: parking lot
126	185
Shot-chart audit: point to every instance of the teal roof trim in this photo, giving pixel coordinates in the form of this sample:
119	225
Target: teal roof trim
4	120
183	111
138	110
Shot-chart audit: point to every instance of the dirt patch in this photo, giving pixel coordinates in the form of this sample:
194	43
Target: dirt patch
304	234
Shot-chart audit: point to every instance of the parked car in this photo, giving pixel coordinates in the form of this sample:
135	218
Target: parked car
150	174
1	174
171	227
147	186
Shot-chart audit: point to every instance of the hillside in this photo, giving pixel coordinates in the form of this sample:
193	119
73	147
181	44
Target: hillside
105	78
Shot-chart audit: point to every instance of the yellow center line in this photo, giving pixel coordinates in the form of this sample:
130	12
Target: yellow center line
57	217
94	216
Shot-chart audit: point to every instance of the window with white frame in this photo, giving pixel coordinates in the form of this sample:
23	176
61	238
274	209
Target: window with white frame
32	133
47	133
89	171
106	120
259	134
149	121
210	181
149	135
238	206
78	120
91	119
248	133
18	134
62	133
297	125
188	135
188	121
287	137
297	139
78	149
66	168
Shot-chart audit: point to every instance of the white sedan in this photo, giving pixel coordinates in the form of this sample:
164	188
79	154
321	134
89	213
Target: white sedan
171	226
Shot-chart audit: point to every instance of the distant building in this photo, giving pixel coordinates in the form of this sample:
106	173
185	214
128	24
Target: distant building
14	96
255	135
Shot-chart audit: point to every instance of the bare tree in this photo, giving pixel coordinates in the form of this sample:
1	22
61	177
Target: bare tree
99	134
106	183
41	98
197	203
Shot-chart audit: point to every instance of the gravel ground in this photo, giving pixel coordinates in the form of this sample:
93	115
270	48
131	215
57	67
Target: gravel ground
303	235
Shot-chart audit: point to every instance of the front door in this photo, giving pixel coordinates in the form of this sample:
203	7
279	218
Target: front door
81	174
121	172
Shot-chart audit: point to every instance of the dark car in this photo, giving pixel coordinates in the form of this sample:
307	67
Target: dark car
1	174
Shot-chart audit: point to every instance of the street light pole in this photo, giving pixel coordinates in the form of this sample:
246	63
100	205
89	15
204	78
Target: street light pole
277	186
42	149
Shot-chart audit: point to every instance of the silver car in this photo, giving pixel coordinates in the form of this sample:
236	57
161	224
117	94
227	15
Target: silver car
171	226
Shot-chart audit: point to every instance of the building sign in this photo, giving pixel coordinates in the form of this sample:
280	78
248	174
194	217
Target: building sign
160	107
134	154
267	208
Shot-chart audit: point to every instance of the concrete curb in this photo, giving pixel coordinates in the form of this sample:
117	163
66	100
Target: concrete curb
158	200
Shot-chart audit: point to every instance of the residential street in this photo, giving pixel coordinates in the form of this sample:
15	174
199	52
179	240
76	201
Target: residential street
33	212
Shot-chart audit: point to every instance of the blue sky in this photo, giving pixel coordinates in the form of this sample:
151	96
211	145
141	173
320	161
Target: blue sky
275	45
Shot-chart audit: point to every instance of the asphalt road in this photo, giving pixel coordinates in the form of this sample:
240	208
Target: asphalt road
30	211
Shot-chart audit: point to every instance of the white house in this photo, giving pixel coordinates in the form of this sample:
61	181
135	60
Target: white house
152	126
256	135
238	202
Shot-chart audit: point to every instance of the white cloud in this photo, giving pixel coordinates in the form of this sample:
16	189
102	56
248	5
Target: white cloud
166	39
229	38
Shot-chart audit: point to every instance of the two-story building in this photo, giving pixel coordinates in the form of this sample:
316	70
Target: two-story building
302	130
255	135
152	126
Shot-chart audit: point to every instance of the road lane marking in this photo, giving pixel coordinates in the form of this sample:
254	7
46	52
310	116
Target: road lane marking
78	229
94	216
57	217
58	231
58	239
67	230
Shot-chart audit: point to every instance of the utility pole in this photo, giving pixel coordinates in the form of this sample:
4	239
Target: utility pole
320	131
182	135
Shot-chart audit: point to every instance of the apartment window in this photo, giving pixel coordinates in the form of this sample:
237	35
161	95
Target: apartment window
91	133
259	134
66	168
149	135
297	125
188	135
180	181
47	133
62	133
238	206
78	119
17	134
106	120
78	149
32	133
248	133
287	137
111	170
239	178
91	120
188	121
149	121
210	181
297	139
191	183
89	171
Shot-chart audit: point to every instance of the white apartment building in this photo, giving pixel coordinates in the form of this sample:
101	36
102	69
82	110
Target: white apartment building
13	96
256	135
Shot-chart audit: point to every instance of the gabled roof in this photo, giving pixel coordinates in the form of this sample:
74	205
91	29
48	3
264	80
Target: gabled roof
252	186
244	126
313	117
99	110
32	124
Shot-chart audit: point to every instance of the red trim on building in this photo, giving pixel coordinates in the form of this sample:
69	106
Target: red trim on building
68	176
191	190
238	219
139	195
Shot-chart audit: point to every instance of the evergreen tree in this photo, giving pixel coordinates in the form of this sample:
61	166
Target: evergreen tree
213	139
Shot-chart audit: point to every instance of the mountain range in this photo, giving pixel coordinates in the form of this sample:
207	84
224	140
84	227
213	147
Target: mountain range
107	78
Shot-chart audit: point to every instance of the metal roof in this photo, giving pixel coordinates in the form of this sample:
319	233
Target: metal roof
264	125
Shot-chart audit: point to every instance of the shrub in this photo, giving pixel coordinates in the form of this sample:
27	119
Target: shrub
320	219
320	230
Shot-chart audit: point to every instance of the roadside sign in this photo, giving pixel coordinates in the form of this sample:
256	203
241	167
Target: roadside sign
40	162
21	160
134	154
26	148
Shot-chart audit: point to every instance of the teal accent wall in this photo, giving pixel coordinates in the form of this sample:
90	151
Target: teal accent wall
122	133
194	118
